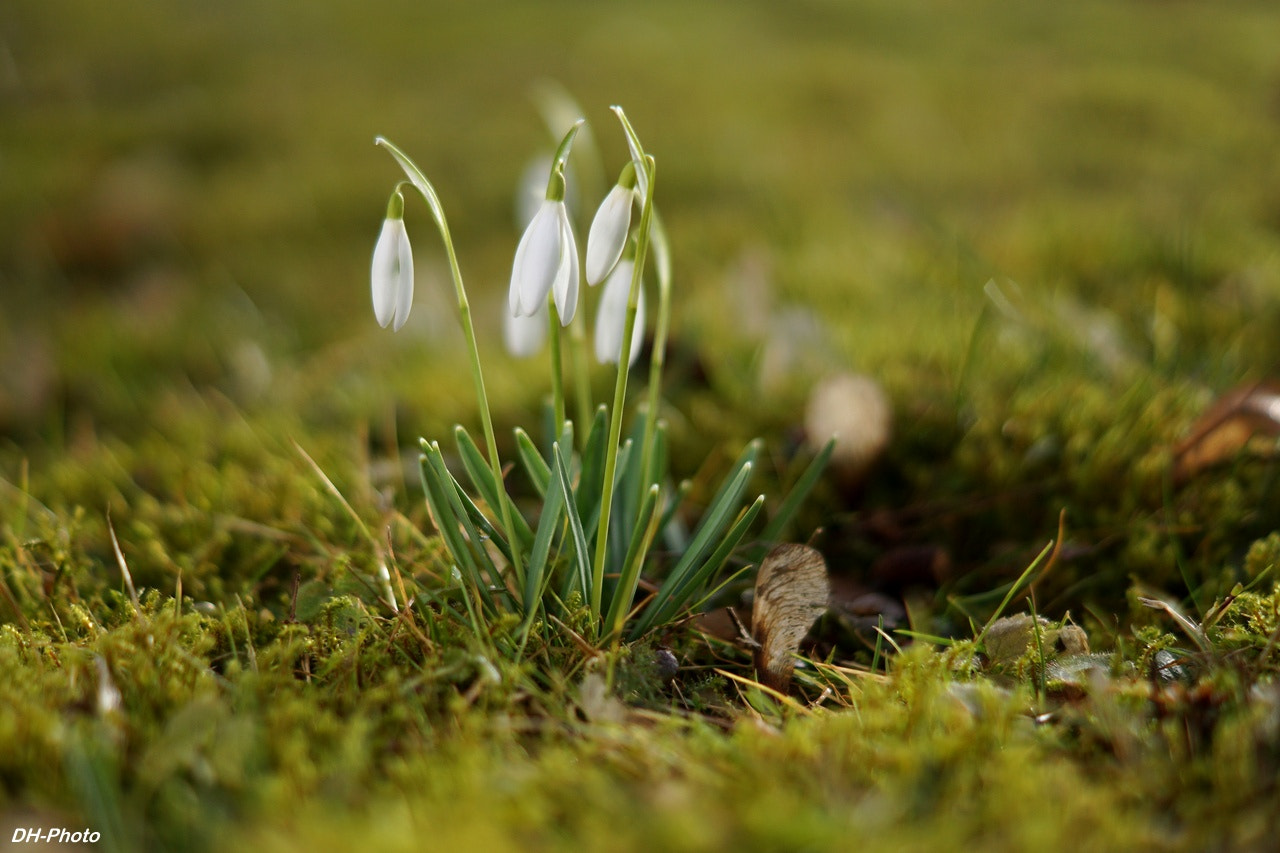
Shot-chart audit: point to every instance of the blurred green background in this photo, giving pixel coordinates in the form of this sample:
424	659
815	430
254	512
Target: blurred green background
189	195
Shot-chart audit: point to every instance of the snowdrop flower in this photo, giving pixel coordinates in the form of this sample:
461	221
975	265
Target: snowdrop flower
612	317
547	259
523	335
609	229
392	270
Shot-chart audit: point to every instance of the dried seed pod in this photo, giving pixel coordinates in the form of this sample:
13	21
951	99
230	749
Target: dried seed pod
1247	417
792	591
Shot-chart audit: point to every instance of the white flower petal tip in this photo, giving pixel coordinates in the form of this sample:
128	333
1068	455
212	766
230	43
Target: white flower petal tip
524	336
612	317
539	257
391	275
608	234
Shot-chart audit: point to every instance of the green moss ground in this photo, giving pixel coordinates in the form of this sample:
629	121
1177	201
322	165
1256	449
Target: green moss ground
188	200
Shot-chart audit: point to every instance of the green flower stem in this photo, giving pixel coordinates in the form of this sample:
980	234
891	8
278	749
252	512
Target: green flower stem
659	355
620	393
477	376
557	367
420	182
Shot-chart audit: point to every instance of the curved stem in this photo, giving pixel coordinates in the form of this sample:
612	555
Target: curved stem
420	182
659	355
477	376
620	394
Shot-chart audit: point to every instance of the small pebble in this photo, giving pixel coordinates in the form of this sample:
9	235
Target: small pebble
666	664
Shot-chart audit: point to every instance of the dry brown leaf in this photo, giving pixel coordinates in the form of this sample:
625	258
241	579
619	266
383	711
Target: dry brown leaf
1245	418
792	591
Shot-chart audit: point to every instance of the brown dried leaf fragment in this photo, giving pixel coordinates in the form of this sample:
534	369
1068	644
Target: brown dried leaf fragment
1245	418
792	591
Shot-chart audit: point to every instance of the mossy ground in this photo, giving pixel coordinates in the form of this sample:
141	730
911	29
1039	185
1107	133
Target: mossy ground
189	201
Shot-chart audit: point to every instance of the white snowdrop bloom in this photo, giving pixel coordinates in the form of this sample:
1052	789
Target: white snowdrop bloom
608	234
546	262
612	317
392	270
523	335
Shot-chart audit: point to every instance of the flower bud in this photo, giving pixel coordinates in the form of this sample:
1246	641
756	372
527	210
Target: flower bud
391	273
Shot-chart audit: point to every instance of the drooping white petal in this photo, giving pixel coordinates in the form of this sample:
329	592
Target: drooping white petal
612	317
567	274
608	234
404	290
524	336
537	259
391	275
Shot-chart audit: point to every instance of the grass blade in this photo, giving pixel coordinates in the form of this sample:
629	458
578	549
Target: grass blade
1017	585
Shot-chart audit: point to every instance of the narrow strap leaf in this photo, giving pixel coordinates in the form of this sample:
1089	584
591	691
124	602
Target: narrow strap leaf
708	532
535	466
437	491
675	535
482	477
679	590
592	478
625	590
552	514
798	493
745	460
582	558
489	577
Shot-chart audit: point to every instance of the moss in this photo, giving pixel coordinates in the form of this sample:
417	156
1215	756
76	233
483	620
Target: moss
183	261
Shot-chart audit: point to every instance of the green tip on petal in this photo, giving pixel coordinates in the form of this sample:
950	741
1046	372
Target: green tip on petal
395	206
555	185
627	178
